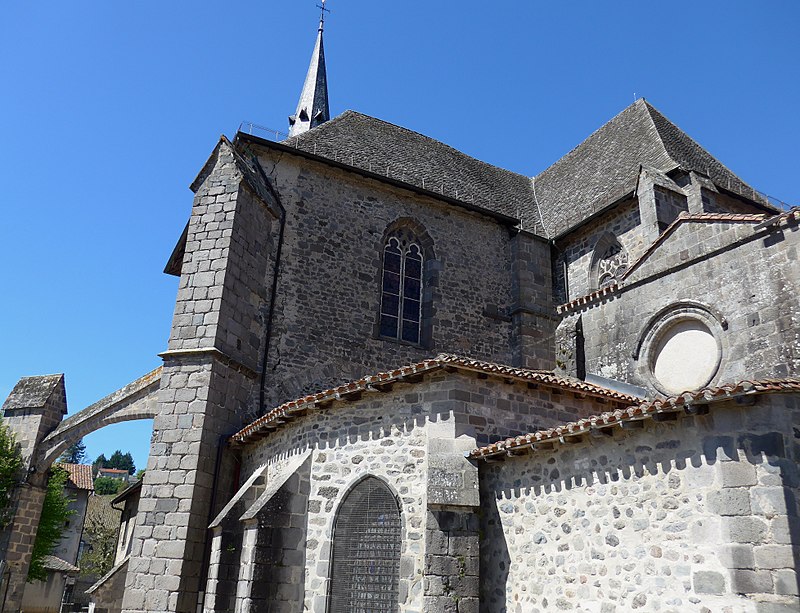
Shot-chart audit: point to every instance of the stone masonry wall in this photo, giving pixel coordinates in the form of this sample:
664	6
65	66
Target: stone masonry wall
329	288
278	554
381	436
388	435
34	408
208	379
698	514
575	250
748	280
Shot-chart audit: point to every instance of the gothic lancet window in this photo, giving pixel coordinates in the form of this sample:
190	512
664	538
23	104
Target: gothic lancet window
367	538
401	291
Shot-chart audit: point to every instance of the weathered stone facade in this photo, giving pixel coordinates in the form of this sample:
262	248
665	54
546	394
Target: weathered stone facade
413	437
695	514
270	417
738	276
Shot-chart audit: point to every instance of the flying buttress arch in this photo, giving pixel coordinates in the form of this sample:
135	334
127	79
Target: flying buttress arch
137	400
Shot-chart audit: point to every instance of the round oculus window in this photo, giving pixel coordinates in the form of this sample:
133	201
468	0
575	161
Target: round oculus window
686	357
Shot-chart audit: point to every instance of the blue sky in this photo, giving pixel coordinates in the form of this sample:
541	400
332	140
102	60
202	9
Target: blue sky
109	110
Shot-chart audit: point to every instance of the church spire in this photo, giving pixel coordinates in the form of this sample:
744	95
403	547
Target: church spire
312	109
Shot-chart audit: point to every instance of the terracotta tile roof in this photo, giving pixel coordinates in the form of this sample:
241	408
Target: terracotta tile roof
58	565
639	412
587	298
289	410
80	475
792	215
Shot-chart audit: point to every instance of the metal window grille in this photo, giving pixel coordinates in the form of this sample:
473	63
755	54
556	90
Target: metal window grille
366	551
401	297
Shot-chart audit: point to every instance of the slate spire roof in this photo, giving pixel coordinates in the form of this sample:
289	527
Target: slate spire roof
313	108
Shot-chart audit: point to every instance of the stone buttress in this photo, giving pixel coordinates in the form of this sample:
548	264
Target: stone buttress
35	407
211	371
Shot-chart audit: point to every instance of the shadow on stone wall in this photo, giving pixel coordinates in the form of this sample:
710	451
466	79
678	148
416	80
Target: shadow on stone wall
745	479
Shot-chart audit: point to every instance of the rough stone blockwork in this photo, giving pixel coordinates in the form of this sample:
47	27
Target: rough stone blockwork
209	376
699	514
749	287
330	279
451	562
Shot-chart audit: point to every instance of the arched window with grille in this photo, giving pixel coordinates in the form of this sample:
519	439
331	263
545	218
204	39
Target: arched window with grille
401	291
365	565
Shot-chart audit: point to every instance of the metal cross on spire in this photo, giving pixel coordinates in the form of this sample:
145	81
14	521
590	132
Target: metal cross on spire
322	16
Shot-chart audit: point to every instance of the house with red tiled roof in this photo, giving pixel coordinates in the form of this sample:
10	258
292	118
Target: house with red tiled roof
62	563
113	473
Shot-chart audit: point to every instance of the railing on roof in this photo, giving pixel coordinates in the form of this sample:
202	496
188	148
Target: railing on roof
757	196
785	206
248	127
356	159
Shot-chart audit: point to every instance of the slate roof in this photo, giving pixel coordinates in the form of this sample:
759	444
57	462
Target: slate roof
384	148
601	170
290	410
687	402
58	565
605	167
80	475
123	565
34	392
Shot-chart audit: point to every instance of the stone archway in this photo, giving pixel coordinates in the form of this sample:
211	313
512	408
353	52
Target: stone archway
137	400
34	412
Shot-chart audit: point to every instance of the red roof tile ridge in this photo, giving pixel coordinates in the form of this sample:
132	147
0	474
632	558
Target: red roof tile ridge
80	475
689	217
441	360
587	298
641	411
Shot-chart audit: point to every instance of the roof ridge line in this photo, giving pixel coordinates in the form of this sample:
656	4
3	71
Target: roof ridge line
285	411
637	412
407	130
651	110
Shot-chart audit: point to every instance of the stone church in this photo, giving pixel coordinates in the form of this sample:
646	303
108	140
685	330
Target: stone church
402	379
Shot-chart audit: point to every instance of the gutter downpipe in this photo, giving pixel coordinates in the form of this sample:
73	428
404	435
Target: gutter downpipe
274	290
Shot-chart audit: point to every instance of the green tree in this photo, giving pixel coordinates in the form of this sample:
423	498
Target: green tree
121	461
74	454
100	462
108	485
55	513
10	472
100	535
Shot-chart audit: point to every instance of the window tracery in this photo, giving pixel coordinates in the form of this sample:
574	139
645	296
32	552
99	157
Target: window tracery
401	291
611	265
